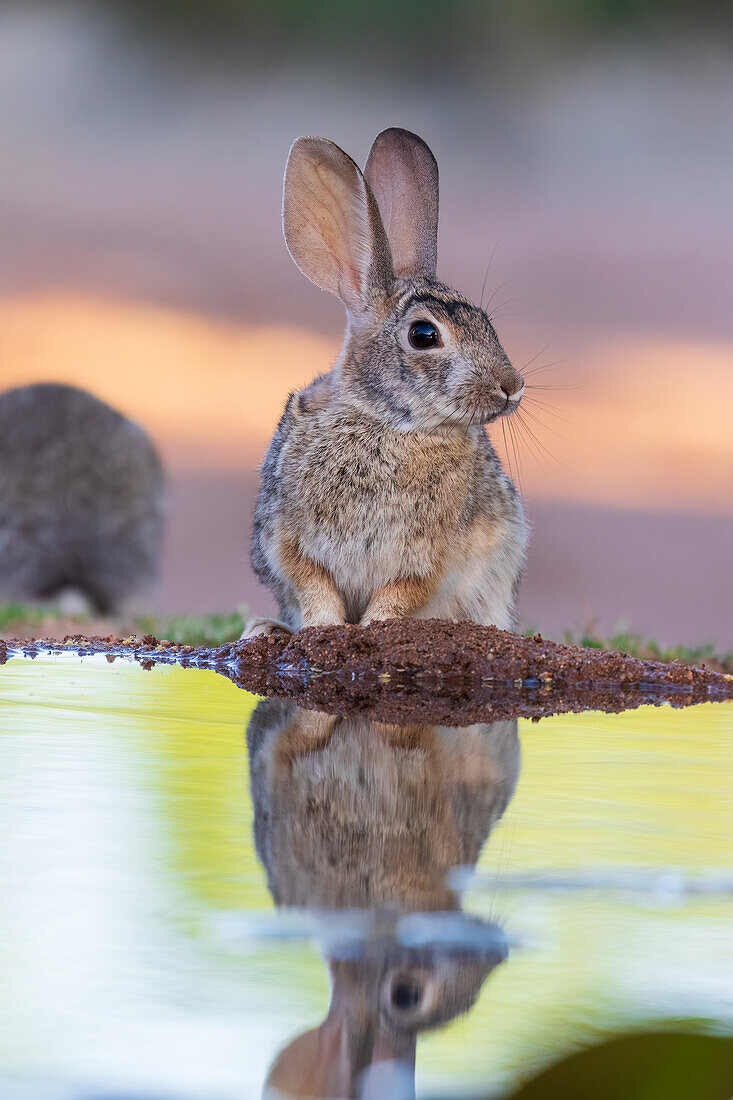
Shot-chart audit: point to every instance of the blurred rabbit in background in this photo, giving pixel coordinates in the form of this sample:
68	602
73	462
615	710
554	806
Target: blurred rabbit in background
370	818
81	499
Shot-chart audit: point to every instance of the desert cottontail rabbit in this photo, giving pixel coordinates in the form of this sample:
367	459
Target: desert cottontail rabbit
381	495
353	815
81	494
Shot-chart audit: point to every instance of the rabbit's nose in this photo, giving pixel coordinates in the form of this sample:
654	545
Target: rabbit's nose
512	384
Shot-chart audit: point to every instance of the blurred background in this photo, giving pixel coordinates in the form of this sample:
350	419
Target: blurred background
586	158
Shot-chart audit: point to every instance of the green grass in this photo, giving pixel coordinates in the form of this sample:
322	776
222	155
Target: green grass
198	630
20	621
14	614
636	646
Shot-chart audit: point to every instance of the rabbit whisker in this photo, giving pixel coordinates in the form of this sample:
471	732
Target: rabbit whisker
517	459
546	427
547	366
511	279
486	274
531	447
531	404
529	362
531	438
502	306
507	455
538	400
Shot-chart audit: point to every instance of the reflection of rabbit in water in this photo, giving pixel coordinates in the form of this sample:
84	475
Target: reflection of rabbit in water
351	814
81	492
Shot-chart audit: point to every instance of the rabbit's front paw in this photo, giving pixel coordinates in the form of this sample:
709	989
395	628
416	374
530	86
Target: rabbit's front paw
257	627
323	617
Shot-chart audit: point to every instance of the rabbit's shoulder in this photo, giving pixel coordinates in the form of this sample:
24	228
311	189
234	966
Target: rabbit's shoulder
302	408
316	396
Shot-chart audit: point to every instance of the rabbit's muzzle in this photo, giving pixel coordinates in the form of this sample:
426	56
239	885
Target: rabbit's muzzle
484	394
487	402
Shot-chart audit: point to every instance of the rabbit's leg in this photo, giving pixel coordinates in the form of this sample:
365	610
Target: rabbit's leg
320	601
309	731
481	584
399	599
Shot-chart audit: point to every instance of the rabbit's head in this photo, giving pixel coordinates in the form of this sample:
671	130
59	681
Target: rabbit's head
381	1001
417	353
423	988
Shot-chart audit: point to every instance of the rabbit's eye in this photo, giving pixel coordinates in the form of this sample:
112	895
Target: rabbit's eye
406	995
423	335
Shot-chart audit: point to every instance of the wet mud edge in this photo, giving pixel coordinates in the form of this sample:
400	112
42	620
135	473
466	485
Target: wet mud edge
420	670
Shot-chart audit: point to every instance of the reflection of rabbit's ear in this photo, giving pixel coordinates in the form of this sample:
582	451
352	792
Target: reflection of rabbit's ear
332	225
403	174
317	1063
333	1062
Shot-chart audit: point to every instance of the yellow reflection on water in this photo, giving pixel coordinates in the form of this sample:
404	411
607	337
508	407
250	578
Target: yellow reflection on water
126	828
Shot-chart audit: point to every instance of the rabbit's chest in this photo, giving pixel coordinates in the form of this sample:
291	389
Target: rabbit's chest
376	503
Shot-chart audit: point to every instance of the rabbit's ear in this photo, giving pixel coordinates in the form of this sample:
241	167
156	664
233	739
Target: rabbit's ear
403	174
332	225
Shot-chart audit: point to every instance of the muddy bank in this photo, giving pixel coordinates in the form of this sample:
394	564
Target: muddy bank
461	650
459	673
431	671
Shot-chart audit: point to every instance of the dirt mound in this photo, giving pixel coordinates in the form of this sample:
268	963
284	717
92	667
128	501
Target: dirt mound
427	671
457	649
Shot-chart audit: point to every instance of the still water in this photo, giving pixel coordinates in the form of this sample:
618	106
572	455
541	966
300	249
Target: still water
201	893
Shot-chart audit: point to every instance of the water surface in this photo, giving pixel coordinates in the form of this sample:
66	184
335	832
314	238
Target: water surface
477	900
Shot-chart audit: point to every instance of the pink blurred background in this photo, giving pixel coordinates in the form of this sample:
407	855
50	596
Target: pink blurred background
142	257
